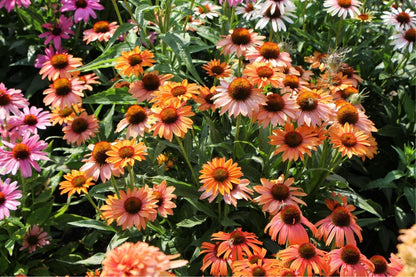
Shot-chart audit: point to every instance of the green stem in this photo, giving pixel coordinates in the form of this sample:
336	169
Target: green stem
95	206
237	130
187	159
271	33
339	32
117	11
219	209
129	10
187	18
288	165
113	181
130	168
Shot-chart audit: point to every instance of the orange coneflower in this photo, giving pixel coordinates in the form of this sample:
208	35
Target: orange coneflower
295	142
171	120
219	265
151	81
349	261
269	52
64	92
204	98
274	194
241	266
124	153
217	69
262	74
132	62
239	41
292	82
133	208
164	195
316	60
305	258
175	92
81	128
238	192
136	121
349	140
259	268
288	224
76	181
65	115
237	243
59	66
351	74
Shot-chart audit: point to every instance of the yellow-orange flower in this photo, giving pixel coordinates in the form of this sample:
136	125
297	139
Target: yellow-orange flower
349	140
132	62
175	92
76	181
125	152
217	69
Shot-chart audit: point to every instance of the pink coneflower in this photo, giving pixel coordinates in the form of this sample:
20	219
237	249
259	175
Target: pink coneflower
207	10
88	80
59	65
278	109
277	4
247	11
80	129
11	4
384	269
9	195
64	92
288	225
30	120
23	155
348	113
274	194
11	100
136	121
151	81
349	261
101	31
292	82
35	237
343	7
164	195
49	52
238	97
83	8
400	19
239	41
238	192
277	17
269	52
305	258
96	165
406	38
57	31
315	107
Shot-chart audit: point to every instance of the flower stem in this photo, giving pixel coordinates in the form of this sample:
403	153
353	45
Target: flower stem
130	168
117	11
95	206
187	159
129	10
237	130
339	32
113	181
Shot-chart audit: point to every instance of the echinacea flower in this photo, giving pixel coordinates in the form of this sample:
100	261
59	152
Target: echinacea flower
83	8
125	152
406	38
132	62
399	18
216	68
64	92
171	120
219	265
262	74
65	115
295	142
88	80
343	7
59	66
238	192
406	250
274	15
132	208
9	197
57	31
238	97
11	4
75	182
207	10
236	244
315	107
348	113
239	41
248	11
30	120
261	267
384	269
139	259
11	100
136	121
204	98
176	92
269	52
305	258
81	128
349	261
34	238
23	155
151	81
164	195
101	31
274	194
288	225
279	4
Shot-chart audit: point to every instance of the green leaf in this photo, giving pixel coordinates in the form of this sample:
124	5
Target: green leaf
96	259
121	30
40	215
91	223
410	193
192	222
108	122
9	245
386	182
111	96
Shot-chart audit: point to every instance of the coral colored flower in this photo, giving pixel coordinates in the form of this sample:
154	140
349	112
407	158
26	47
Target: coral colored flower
406	38
349	261
30	120
259	268
175	92
316	60
269	52
278	109
384	269
59	66
88	80
65	115
400	19
125	152
171	120
244	267
351	73
220	175
288	224
136	121
217	69
236	244
295	142
340	224
138	259
101	31
81	128
83	8
239	41
315	107
23	155
9	195
11	4
349	140
11	100
276	16
204	98
57	31
350	114
164	195
132	62
96	165
76	182
238	97
34	238
262	74
151	81
134	208
219	265
292	82
305	258
64	92
274	194
343	7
